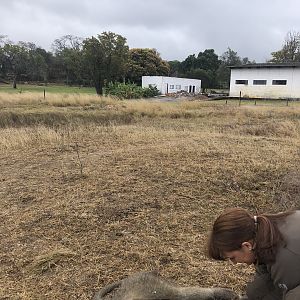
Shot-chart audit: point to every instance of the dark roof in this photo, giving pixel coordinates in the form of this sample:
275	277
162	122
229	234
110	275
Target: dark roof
268	65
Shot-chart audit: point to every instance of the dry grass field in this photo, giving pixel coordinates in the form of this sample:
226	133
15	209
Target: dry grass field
93	189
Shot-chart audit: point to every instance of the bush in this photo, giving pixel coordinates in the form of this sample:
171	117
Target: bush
129	91
150	92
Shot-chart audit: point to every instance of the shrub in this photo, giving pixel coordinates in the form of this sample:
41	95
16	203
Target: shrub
129	91
150	91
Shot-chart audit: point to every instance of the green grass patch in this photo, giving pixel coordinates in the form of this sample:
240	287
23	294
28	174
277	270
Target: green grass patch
23	88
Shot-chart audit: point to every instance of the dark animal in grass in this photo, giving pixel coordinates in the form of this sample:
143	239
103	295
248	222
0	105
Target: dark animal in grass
151	286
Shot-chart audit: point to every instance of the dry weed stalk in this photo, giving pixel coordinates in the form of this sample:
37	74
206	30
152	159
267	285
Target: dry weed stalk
79	159
50	260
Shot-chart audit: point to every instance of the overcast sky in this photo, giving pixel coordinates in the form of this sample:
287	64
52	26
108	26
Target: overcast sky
176	28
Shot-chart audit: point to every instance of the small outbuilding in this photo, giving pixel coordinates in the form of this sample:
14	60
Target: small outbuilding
169	85
267	80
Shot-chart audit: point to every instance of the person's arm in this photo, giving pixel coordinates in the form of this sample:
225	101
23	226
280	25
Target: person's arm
285	272
262	288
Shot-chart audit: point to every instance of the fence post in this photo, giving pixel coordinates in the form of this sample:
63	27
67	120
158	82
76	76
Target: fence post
255	102
287	102
226	102
44	94
240	98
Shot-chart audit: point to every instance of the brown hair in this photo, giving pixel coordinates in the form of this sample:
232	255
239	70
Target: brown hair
236	225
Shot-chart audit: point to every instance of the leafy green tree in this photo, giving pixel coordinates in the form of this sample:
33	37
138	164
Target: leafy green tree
23	61
94	58
69	59
175	66
188	64
106	57
245	60
229	58
115	55
3	67
203	67
290	51
208	60
46	59
14	60
207	77
36	65
145	62
67	42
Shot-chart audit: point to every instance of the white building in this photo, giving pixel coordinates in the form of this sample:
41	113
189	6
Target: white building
266	81
168	85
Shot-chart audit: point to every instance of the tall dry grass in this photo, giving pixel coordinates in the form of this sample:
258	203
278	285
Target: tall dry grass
61	99
59	109
27	126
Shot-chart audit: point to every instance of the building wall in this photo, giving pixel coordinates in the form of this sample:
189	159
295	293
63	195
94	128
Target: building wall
167	85
290	90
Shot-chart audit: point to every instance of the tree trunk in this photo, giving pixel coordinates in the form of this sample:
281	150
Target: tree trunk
15	82
98	86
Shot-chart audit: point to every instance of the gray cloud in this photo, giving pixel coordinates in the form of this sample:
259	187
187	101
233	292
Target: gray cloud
176	28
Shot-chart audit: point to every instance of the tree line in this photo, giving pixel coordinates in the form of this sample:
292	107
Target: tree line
98	61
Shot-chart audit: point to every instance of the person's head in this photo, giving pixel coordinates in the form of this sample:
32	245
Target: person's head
233	236
243	238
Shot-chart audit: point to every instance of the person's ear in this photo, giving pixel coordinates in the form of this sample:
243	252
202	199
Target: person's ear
247	245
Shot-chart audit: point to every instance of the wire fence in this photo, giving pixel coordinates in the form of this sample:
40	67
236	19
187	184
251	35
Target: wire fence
257	102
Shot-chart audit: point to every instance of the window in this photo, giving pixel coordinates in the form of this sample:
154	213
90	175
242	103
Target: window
259	82
279	82
178	87
171	86
241	82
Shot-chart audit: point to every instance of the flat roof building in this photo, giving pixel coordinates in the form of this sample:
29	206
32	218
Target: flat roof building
169	85
267	80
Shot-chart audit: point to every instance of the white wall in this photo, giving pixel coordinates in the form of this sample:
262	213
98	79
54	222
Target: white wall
290	90
171	84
